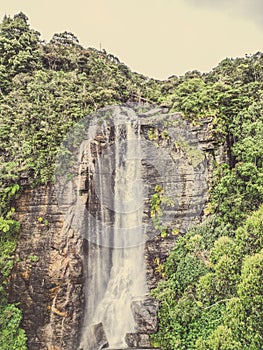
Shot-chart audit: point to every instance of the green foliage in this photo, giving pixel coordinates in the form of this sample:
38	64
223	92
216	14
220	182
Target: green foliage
8	246
181	314
249	237
158	200
195	99
7	196
212	297
221	338
42	221
11	336
152	134
19	49
244	313
9	229
237	191
34	258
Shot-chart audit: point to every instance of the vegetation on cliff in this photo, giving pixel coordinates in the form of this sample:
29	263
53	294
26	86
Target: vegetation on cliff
212	295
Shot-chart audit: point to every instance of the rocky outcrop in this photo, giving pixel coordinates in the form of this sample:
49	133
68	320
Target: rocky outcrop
145	313
182	165
138	340
48	275
97	337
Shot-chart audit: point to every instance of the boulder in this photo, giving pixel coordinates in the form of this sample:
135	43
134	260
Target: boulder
100	336
145	313
137	340
96	337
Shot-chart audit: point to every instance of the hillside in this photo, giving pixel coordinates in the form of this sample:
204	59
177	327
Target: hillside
47	87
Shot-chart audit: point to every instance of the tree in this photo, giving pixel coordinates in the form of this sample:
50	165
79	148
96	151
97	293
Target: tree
244	313
19	46
65	38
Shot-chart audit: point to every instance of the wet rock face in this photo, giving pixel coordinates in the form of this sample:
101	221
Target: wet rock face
48	276
100	336
97	337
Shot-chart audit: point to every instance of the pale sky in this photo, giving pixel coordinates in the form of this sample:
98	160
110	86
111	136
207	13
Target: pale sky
158	38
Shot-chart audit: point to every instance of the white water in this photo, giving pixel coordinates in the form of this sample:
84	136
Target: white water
115	263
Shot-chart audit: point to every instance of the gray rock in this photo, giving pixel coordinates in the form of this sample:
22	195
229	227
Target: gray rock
95	338
98	337
145	313
137	340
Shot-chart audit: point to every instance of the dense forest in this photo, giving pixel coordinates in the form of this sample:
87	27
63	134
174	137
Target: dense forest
211	294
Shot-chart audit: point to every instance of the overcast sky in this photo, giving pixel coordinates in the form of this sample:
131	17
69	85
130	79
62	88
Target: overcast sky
158	38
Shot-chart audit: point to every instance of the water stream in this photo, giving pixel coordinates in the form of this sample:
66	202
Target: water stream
107	171
115	267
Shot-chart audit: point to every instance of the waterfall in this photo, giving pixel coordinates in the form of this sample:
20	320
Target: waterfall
115	255
107	172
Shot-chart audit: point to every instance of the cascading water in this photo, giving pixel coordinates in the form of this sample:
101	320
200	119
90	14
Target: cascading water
115	259
105	196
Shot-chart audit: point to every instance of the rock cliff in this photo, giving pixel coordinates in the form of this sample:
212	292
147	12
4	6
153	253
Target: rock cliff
48	277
